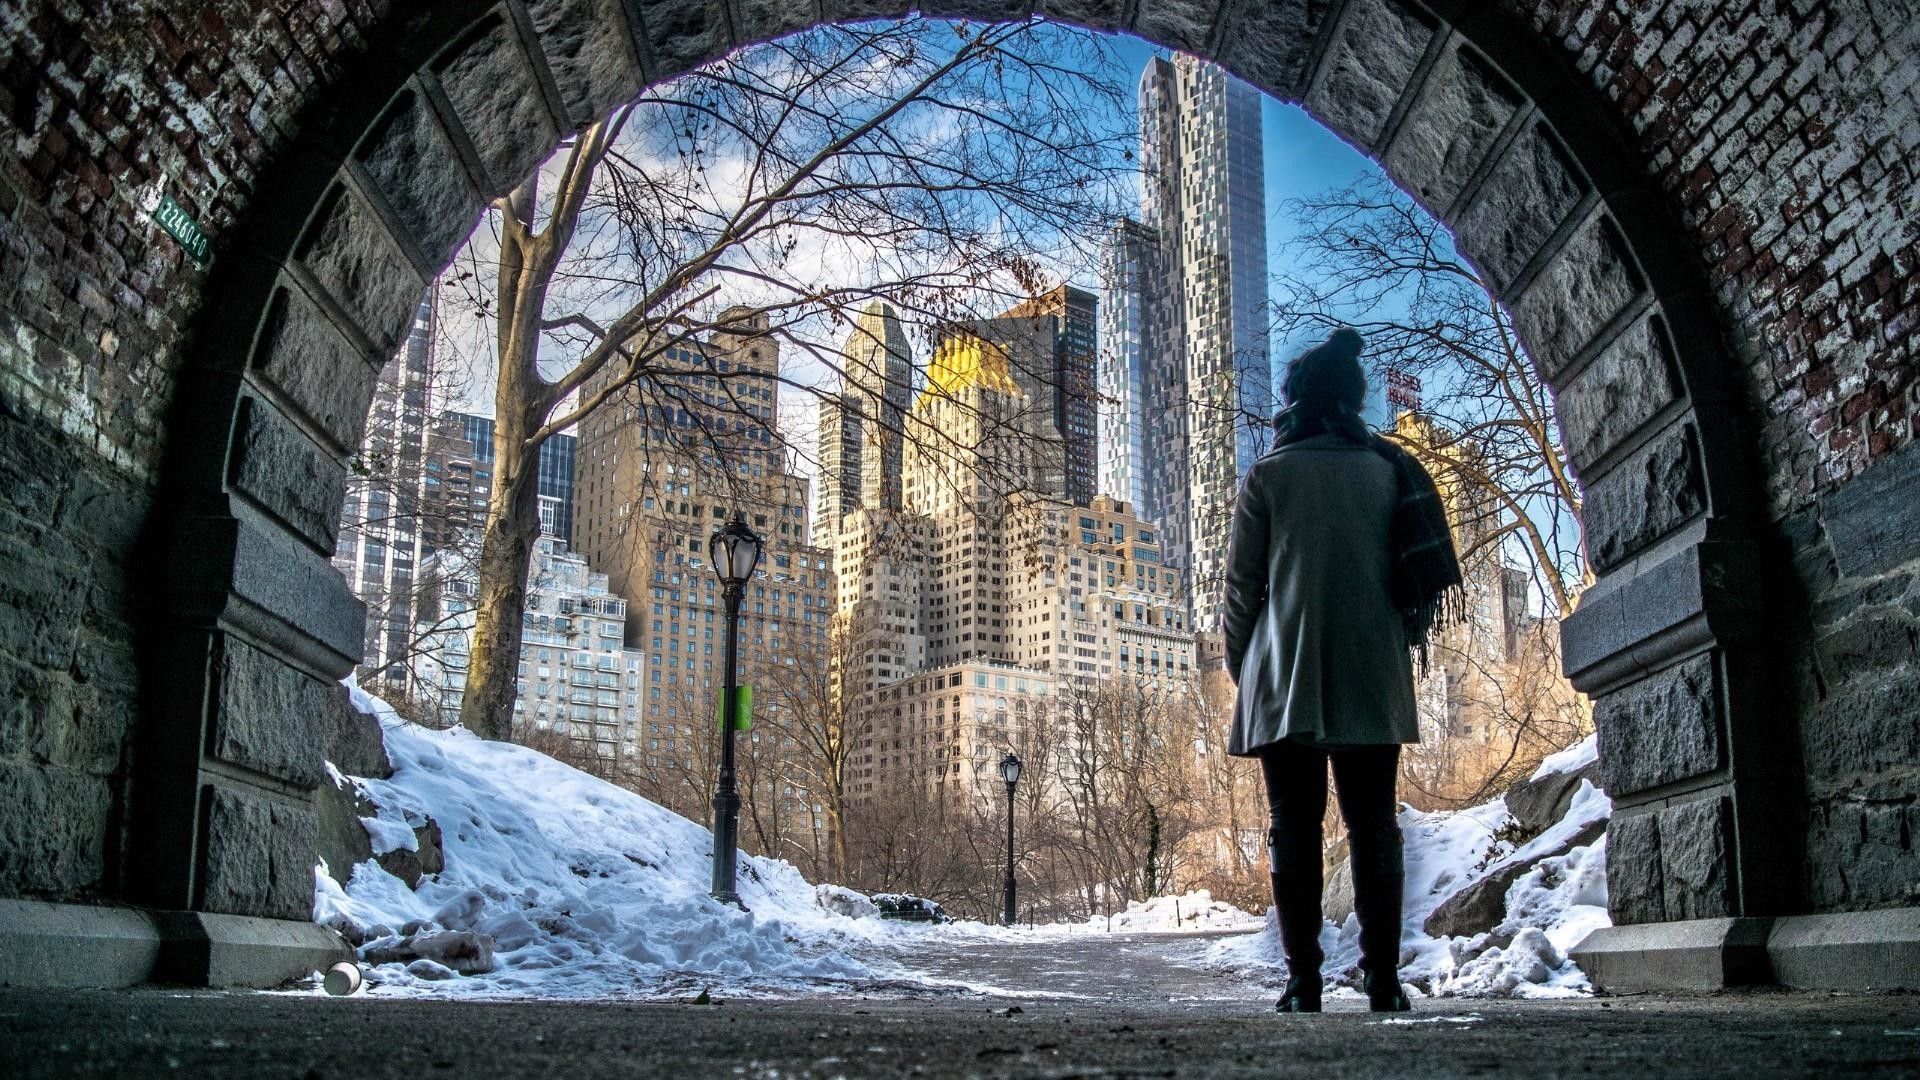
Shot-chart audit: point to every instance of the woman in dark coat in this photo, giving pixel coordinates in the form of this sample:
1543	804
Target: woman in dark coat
1339	564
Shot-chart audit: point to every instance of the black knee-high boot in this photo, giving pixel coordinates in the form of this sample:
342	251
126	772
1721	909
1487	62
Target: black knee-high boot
1379	879
1296	900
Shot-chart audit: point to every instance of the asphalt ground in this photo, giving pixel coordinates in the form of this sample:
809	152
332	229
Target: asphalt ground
1125	1006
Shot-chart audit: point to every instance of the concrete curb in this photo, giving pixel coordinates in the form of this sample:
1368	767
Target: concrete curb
1854	950
44	944
77	945
1700	954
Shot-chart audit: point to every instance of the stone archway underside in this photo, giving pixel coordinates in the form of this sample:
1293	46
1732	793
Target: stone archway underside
1472	111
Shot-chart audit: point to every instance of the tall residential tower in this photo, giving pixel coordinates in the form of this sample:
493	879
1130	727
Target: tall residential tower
1187	364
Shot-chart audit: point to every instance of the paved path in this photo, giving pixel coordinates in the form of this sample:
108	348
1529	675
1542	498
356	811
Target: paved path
1095	1006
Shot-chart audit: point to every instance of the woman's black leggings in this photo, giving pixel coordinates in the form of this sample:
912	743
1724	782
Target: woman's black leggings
1364	778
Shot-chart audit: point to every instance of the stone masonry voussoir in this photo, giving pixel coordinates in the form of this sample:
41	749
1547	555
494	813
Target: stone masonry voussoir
363	270
589	47
495	94
276	464
1181	24
1367	66
1269	44
1644	498
683	34
1617	393
1665	728
410	160
1588	282
319	370
1450	127
1518	206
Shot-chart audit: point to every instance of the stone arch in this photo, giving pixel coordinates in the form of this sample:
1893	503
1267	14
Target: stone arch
1502	122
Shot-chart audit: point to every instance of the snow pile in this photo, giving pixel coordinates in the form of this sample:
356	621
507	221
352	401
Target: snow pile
1548	909
1196	910
559	884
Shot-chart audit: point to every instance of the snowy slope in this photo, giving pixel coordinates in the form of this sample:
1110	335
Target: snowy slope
583	889
1549	909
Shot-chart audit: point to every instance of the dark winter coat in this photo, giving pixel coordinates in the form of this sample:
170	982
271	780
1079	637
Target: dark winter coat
1313	640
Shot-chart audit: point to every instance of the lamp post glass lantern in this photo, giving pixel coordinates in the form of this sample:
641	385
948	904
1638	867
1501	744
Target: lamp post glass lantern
735	551
1010	772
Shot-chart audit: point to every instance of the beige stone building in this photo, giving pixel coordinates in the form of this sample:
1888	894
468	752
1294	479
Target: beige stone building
670	460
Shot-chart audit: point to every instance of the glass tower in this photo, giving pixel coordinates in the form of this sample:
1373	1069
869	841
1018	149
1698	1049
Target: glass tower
1190	380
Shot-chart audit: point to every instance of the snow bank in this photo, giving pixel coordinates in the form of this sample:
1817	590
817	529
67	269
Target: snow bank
1548	909
559	884
1196	910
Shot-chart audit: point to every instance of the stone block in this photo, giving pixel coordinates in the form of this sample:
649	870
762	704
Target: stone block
42	595
1853	950
199	948
1092	14
270	716
1635	893
1861	854
54	830
413	164
351	255
1269	45
1614	396
1645	497
259	855
289	580
1518	206
1450	127
74	945
316	367
1870	728
683	34
1589	281
493	90
1870	521
1367	68
589	50
1702	954
765	20
1177	24
1695	849
1664	728
278	466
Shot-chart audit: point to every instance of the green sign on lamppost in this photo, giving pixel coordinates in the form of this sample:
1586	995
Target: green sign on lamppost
735	551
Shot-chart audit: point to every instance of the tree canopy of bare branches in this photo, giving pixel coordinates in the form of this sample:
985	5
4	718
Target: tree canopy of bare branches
939	166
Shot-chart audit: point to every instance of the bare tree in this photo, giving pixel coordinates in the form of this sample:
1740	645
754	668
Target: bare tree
946	156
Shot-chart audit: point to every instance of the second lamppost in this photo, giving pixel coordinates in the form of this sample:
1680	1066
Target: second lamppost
1010	772
735	551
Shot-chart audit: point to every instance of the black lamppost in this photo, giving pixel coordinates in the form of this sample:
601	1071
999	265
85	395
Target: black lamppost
1010	772
735	550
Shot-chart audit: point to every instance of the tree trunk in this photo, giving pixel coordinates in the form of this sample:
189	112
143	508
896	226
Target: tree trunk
506	551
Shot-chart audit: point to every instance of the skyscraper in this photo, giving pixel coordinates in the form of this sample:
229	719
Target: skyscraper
861	426
1196	292
1074	336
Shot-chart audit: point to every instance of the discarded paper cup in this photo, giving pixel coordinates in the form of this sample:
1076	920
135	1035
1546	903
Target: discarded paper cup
342	978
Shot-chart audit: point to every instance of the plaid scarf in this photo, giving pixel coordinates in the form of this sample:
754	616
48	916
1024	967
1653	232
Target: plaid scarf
1424	579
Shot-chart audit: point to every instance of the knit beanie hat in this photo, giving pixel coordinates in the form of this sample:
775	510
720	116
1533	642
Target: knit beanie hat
1329	373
